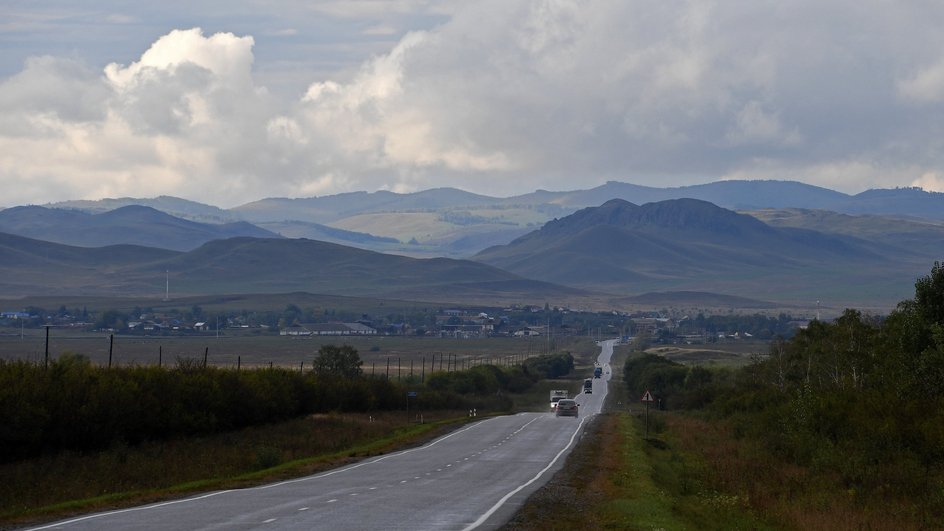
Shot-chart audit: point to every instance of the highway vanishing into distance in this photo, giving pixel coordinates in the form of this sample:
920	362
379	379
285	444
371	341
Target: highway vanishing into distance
476	477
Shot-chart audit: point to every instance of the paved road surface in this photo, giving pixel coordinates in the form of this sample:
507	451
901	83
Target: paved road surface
473	478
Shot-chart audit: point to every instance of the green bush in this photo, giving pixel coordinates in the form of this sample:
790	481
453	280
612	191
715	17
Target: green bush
550	365
77	406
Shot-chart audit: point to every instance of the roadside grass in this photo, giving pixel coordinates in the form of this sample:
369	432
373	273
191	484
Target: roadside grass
794	497
619	479
70	482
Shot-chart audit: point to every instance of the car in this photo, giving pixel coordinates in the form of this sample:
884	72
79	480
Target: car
557	394
566	407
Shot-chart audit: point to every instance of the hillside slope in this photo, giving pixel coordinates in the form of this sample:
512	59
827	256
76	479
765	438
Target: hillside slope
127	225
692	245
253	265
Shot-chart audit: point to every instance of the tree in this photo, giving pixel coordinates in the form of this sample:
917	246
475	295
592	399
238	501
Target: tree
929	295
342	361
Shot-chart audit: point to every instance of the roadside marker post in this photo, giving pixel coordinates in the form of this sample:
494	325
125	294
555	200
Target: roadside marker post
409	395
647	398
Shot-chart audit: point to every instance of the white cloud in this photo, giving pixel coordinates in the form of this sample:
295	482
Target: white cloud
926	85
930	181
501	97
753	125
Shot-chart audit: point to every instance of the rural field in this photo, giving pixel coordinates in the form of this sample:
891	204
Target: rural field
403	353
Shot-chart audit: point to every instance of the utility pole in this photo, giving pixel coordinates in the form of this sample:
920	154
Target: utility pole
46	364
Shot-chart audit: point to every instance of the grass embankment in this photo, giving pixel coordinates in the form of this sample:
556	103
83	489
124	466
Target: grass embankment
696	473
72	482
619	479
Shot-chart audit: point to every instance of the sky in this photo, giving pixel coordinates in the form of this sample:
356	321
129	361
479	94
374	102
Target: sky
230	101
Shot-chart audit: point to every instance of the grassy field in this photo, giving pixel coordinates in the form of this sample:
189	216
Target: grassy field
734	353
258	350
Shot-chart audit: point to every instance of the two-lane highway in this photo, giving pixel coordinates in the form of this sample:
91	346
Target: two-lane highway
475	477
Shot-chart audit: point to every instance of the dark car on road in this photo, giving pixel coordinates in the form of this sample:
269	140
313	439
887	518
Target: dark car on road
566	407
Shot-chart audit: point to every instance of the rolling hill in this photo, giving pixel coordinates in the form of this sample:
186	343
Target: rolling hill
175	206
912	238
253	265
132	225
333	207
693	245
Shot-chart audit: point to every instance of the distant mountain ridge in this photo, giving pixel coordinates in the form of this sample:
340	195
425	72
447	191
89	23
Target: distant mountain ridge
731	194
694	245
175	206
131	224
253	265
462	223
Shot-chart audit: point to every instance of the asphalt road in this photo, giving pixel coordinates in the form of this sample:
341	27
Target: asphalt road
474	478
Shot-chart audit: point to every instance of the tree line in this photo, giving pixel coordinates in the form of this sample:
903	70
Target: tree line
861	398
75	405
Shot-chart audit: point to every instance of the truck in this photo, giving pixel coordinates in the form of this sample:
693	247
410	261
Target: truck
588	386
598	372
557	394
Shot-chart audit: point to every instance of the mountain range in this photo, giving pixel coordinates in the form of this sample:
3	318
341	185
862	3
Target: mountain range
455	223
143	225
251	265
760	247
693	245
731	194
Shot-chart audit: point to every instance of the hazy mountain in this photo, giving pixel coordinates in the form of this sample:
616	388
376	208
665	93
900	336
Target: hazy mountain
728	194
133	224
693	245
35	267
175	206
451	222
909	202
922	239
333	207
317	231
252	265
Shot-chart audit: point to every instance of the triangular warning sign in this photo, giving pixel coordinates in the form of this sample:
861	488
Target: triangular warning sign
647	397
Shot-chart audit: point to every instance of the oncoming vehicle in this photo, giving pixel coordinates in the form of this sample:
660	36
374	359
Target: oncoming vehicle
588	386
557	394
598	372
566	407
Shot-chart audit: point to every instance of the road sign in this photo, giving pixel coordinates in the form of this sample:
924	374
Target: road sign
411	394
647	397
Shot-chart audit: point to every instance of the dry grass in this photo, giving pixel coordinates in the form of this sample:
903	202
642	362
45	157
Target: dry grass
791	496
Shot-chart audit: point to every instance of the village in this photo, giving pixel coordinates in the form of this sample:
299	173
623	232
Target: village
460	323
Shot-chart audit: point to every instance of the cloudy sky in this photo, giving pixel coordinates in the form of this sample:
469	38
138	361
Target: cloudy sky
229	101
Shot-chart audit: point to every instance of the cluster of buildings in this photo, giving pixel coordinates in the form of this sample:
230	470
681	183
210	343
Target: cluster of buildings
328	329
